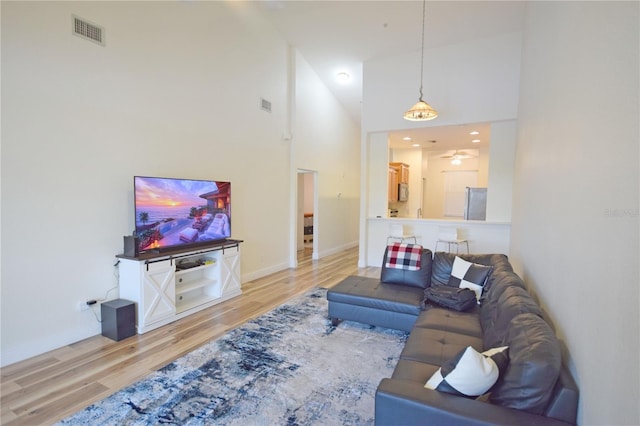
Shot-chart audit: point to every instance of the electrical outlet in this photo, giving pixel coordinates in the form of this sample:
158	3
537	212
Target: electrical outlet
82	306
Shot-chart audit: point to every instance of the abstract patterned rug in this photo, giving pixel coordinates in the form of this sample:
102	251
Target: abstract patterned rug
287	367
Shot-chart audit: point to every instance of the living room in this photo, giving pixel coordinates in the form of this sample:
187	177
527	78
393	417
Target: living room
176	92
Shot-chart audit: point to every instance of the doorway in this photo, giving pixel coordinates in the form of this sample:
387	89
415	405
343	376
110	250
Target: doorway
307	213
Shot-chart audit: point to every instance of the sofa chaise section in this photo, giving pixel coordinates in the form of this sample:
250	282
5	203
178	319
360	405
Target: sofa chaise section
393	301
369	301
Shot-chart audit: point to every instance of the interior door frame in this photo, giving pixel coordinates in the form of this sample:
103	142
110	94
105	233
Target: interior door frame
299	215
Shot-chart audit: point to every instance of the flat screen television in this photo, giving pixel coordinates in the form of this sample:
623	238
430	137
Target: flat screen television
173	213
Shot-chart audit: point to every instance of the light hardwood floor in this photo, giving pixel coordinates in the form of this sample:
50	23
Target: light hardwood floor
51	386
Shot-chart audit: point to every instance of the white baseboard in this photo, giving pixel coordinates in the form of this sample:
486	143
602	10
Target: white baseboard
338	249
41	346
254	275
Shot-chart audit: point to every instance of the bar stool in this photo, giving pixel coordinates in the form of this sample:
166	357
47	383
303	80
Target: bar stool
450	236
397	232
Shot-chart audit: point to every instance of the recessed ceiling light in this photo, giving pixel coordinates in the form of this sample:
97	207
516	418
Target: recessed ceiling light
475	140
343	77
416	145
475	132
406	138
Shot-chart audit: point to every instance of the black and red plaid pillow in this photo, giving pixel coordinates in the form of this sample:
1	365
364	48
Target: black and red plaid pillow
404	256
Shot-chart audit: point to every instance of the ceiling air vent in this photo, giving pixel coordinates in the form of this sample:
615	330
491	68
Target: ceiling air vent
265	105
88	31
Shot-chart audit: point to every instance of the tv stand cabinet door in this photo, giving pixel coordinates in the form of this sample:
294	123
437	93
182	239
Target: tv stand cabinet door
158	293
152	287
230	272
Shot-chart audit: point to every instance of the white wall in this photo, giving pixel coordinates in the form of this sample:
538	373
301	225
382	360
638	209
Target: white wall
575	210
326	140
501	163
175	92
376	147
470	82
308	192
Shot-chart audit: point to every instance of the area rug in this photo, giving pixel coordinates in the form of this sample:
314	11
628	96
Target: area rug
287	367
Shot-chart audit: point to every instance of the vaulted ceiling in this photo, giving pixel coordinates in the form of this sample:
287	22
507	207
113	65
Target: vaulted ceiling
335	36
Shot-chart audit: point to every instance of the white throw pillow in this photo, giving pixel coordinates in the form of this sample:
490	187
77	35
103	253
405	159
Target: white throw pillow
470	373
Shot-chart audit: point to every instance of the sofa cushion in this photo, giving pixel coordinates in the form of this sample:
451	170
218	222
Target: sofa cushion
534	365
512	302
436	346
466	323
469	275
441	268
501	280
416	371
371	293
420	278
469	373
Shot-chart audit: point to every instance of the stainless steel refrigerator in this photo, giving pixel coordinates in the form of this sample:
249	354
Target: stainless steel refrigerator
475	203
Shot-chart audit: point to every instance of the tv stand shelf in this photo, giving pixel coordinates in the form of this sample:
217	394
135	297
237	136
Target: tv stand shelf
164	292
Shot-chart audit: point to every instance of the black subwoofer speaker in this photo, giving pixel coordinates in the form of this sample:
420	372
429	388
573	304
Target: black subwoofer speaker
131	246
118	319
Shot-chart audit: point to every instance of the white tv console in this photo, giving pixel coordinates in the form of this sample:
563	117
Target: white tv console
170	286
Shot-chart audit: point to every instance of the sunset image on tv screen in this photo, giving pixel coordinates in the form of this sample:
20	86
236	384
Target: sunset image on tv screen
173	212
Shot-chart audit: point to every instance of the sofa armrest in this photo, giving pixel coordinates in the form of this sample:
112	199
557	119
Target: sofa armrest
409	403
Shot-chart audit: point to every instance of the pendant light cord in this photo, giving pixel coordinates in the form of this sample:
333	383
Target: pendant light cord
424	7
421	111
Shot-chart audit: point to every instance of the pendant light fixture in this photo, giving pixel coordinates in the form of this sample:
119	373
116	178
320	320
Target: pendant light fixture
421	111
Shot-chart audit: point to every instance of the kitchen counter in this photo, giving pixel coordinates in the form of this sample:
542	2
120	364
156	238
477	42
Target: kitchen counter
483	236
445	222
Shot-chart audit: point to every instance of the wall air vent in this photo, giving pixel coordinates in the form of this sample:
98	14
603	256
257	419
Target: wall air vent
87	30
265	105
